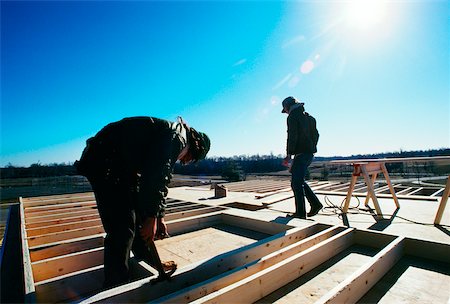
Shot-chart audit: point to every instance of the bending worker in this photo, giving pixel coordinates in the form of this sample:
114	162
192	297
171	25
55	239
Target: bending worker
129	164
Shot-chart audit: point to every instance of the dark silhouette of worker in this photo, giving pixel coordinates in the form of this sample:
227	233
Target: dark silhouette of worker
129	164
302	137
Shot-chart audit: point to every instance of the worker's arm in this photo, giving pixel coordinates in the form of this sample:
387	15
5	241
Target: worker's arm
155	177
292	135
148	229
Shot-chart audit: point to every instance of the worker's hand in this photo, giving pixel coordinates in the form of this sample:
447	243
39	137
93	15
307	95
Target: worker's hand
148	229
286	161
161	230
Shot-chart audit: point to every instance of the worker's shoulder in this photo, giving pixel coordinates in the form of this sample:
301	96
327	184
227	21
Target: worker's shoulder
144	121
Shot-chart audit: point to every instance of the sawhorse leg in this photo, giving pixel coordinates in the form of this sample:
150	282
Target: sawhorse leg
374	178
443	203
388	181
371	191
349	193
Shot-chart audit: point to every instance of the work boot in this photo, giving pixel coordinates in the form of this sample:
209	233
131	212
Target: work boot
296	215
315	209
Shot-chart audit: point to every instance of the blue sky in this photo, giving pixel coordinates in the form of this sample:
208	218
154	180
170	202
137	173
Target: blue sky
375	76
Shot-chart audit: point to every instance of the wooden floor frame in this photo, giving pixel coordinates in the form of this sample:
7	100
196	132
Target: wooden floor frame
63	256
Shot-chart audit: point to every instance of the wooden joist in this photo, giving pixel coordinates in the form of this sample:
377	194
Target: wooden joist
260	284
257	265
63	251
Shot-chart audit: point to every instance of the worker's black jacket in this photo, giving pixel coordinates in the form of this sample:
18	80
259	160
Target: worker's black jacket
138	152
300	127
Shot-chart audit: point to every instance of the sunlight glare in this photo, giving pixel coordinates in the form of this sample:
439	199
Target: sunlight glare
365	14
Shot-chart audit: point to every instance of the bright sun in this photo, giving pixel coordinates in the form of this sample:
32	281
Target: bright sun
364	14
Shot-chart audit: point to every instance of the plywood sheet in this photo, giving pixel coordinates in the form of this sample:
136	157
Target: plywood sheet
202	244
317	282
412	280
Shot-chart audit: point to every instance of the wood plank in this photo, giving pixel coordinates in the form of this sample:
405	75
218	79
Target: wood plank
47	218
199	290
74	287
57	201
270	279
388	181
204	270
189	213
443	202
66	248
179	226
74	219
54	267
65	235
358	284
254	224
28	272
64	211
349	193
63	227
61	206
428	250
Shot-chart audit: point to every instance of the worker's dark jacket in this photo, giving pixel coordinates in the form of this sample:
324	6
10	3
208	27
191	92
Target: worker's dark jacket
299	132
138	152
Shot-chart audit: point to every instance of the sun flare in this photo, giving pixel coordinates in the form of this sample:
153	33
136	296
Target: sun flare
365	14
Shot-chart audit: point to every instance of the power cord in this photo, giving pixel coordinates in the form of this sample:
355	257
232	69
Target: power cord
333	209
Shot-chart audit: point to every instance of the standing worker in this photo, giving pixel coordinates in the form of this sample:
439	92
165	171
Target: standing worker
129	164
302	137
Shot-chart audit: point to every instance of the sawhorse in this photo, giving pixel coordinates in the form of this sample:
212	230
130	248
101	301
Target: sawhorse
369	170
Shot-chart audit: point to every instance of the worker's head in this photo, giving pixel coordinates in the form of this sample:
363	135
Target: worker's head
288	102
199	144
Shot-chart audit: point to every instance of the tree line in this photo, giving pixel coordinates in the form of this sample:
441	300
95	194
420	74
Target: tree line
230	168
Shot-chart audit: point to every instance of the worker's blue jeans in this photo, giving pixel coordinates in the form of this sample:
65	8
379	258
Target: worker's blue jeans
299	186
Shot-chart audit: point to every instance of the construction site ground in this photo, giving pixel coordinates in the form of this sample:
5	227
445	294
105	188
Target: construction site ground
239	244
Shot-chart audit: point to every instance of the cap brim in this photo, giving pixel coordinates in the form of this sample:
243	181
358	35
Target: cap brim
283	111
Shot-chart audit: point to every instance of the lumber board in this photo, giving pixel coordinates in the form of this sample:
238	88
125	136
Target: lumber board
57	201
61	216
374	239
57	196
75	219
191	206
184	225
54	267
254	224
66	248
31	210
204	270
428	250
64	235
71	287
27	270
189	213
216	283
64	211
355	286
76	286
262	283
63	227
443	203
